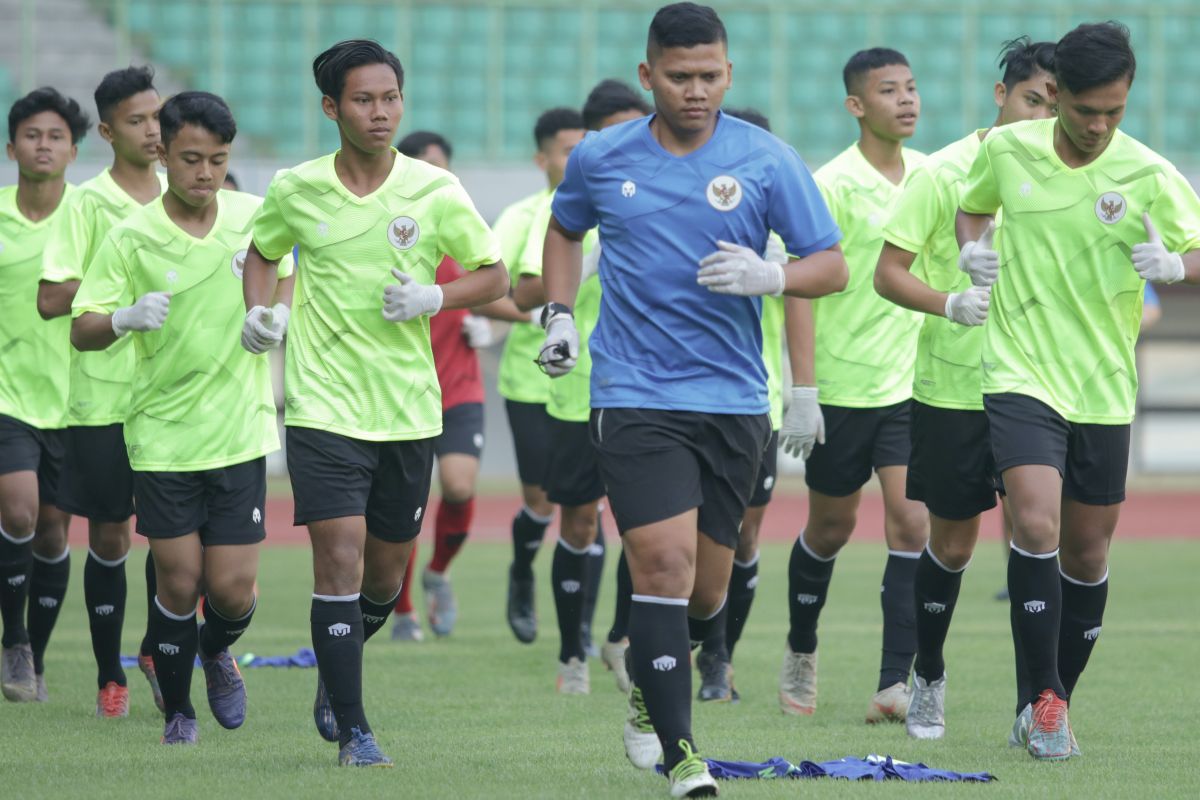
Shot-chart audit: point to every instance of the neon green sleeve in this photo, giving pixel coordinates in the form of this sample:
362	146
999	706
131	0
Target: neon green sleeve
273	237
106	286
1176	214
918	214
68	243
462	233
982	192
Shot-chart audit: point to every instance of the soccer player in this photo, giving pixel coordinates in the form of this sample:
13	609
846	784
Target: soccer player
97	482
678	389
951	468
864	349
44	129
1087	215
202	414
522	385
363	402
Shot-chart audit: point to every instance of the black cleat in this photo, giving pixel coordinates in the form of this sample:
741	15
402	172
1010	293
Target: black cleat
522	617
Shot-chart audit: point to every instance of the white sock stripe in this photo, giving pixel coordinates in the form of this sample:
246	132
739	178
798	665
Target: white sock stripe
57	559
724	600
209	606
904	554
1078	582
750	563
104	563
942	566
536	517
170	615
9	536
811	554
391	602
660	601
336	598
563	544
1053	553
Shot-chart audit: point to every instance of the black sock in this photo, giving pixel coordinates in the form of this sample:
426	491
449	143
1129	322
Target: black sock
620	625
742	583
219	631
595	574
936	591
337	635
808	583
1082	612
527	533
375	614
1024	683
151	591
899	618
47	588
701	630
173	642
16	562
104	592
569	574
1036	596
659	650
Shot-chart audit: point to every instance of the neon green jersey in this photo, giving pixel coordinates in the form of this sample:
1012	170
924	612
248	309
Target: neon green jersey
519	377
947	371
865	345
99	391
1066	307
772	328
350	371
199	400
36	352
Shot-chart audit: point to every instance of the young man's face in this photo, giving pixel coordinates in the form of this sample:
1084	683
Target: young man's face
1027	99
887	102
688	84
553	153
132	128
370	108
42	147
1090	118
434	154
196	161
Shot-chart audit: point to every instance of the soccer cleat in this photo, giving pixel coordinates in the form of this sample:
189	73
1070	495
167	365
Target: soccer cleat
441	609
1075	751
17	680
1019	735
407	628
226	689
1049	732
716	677
362	751
642	746
889	705
573	677
690	777
926	718
613	656
112	701
323	714
522	617
798	683
734	697
180	730
42	695
146	665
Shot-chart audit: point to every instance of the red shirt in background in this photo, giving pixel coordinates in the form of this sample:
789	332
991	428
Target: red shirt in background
457	363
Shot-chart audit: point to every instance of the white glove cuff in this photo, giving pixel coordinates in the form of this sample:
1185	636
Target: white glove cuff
949	303
439	298
781	276
116	320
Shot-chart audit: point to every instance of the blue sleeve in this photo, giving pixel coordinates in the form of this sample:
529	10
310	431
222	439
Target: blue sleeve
797	211
572	205
1150	298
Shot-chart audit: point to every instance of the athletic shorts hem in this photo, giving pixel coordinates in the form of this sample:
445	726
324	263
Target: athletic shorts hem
365	436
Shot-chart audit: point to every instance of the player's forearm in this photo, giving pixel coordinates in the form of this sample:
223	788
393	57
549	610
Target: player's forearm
562	265
92	331
285	290
894	281
969	227
817	274
54	299
1191	267
483	285
530	292
260	279
800	333
503	309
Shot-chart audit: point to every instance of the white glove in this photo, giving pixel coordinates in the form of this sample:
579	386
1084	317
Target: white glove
734	269
803	423
477	331
535	315
969	307
408	299
775	252
264	328
560	351
591	264
979	260
1153	261
147	314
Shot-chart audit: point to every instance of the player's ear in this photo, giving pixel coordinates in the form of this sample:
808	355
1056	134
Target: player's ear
644	75
330	107
12	152
539	158
854	105
105	131
74	153
1001	94
162	153
728	75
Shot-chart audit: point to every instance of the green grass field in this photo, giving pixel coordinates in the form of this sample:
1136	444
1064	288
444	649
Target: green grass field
476	715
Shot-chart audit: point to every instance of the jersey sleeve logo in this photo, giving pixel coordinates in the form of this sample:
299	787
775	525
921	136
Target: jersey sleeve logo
403	232
724	193
237	263
1111	208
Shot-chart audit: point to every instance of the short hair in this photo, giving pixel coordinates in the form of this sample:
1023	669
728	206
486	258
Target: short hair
121	84
556	119
202	109
684	25
864	61
1094	54
751	115
49	99
1020	58
330	68
611	96
415	143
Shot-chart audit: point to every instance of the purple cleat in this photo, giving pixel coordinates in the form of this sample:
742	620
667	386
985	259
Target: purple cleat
180	730
226	689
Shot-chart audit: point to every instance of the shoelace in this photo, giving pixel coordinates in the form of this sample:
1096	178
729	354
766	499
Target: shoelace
110	703
1050	713
363	745
799	674
712	669
642	720
691	765
224	674
924	702
175	727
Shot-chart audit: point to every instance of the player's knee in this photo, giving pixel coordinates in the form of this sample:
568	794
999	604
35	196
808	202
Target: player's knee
578	528
1035	530
458	489
952	552
828	534
706	601
109	542
747	546
19	519
178	588
50	541
1086	564
535	499
233	598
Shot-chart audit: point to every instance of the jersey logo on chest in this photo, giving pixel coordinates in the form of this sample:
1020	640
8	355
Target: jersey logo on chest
1111	208
628	189
403	233
724	193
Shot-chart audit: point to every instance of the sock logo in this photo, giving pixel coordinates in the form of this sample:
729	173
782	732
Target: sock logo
807	599
339	629
570	587
48	602
752	583
935	608
1035	606
595	550
16	580
104	610
370	618
256	516
1092	634
664	663
168	649
238	632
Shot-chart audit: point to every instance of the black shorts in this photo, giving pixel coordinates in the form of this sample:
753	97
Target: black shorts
658	464
337	476
97	482
1093	460
951	470
530	426
572	469
462	431
764	484
227	505
24	448
858	440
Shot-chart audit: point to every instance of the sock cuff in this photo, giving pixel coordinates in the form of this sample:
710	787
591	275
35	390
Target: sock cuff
1078	582
536	517
804	546
563	544
713	615
660	601
209	608
15	540
385	603
57	559
106	563
904	554
337	598
753	562
172	616
943	567
1040	556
